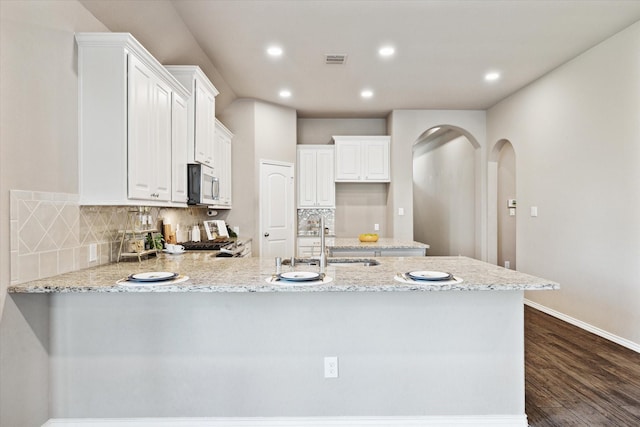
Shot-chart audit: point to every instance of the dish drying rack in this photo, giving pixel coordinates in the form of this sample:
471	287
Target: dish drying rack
137	228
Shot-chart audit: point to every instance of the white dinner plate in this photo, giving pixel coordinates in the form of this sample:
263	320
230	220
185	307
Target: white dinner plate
144	284
299	276
429	275
173	252
153	276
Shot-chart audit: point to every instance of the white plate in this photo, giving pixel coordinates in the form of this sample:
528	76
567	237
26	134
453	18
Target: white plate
429	275
174	252
139	284
153	276
404	278
299	276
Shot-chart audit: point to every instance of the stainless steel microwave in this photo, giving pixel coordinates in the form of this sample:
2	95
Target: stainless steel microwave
203	186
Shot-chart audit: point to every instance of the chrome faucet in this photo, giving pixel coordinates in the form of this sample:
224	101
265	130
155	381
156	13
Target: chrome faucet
323	246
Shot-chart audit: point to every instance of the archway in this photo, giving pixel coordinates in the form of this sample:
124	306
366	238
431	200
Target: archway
444	191
502	204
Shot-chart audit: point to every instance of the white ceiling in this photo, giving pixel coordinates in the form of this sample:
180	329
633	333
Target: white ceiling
443	48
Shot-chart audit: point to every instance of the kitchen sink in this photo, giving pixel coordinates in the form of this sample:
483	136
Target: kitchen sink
336	262
354	263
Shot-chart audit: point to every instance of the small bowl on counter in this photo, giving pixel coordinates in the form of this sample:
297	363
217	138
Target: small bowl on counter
369	237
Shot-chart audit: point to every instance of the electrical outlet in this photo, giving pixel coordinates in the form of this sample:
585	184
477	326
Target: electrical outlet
507	264
93	252
331	367
376	227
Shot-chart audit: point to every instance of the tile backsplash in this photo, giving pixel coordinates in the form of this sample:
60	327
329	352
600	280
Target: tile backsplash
51	233
308	221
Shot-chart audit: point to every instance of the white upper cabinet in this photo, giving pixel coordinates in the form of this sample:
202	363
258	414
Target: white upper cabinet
126	130
362	158
202	110
179	148
316	182
222	165
149	145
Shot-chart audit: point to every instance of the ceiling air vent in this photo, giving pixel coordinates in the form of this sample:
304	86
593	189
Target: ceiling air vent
335	59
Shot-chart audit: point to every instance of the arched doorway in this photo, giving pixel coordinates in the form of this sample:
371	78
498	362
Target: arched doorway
444	191
502	204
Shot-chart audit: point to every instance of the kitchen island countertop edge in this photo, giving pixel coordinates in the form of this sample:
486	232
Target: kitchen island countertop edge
210	274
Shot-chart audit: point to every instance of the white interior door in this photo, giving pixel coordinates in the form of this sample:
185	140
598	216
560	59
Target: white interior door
276	209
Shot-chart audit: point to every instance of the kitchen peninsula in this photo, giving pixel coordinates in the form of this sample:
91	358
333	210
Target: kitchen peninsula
226	343
382	247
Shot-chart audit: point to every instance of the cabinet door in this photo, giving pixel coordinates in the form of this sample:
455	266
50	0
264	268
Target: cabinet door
222	164
179	149
149	142
348	163
204	125
223	169
306	177
325	180
140	129
376	161
160	154
228	173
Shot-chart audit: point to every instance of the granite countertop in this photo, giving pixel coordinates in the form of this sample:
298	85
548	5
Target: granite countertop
210	274
382	243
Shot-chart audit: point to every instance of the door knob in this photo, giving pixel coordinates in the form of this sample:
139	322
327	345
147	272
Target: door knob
266	234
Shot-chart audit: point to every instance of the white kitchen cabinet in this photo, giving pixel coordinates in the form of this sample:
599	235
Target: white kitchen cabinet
125	112
149	140
310	246
201	111
222	164
179	148
316	182
362	158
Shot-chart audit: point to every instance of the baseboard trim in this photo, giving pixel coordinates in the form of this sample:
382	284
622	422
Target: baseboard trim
586	326
423	421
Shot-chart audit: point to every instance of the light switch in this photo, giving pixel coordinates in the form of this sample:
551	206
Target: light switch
534	211
400	211
93	252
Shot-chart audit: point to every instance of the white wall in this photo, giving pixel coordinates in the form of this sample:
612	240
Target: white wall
359	207
444	199
506	173
576	133
320	130
158	26
405	128
261	131
261	354
239	118
38	141
275	128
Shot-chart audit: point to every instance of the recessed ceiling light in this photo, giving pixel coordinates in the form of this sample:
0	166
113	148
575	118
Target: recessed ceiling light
492	76
284	93
366	93
274	51
386	51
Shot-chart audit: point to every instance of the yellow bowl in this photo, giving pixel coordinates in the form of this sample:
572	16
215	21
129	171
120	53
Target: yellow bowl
368	237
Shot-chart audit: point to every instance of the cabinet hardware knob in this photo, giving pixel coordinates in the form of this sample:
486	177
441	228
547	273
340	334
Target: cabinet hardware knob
266	234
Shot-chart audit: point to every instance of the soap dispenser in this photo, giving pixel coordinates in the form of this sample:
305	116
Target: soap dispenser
195	233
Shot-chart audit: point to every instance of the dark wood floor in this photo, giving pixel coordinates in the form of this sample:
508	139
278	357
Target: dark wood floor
575	378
